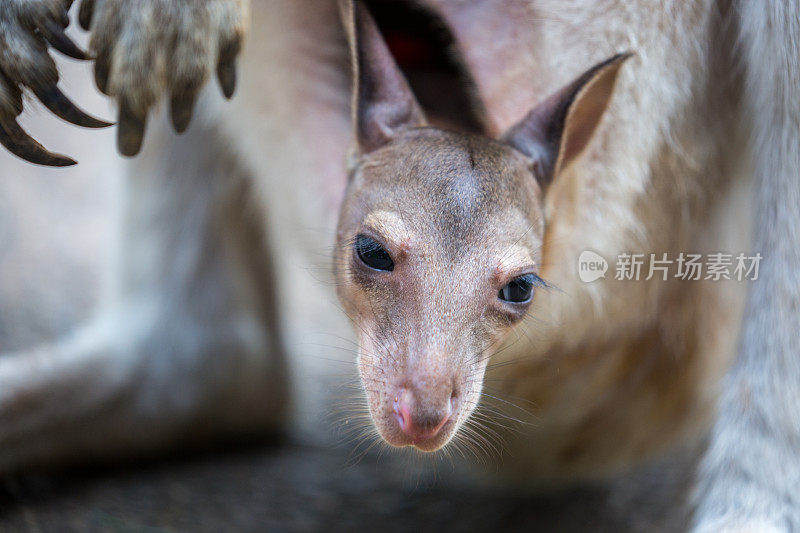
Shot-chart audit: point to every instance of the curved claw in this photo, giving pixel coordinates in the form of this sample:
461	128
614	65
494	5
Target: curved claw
22	145
226	67
181	110
130	131
55	101
226	74
59	40
85	14
102	67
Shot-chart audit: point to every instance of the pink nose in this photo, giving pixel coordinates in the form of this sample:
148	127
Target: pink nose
417	420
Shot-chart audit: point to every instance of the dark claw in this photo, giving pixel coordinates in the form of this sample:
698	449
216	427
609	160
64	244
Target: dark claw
19	143
181	109
226	73
226	67
59	40
101	71
85	14
60	105
130	131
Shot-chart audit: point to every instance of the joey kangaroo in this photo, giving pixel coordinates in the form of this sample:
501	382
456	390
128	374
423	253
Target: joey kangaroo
616	372
440	238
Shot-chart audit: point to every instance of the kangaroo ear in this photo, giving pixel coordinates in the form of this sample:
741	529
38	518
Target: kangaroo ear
383	104
556	131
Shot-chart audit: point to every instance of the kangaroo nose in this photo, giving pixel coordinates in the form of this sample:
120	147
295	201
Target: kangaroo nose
418	418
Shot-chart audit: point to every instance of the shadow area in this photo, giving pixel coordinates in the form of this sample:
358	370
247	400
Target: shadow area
291	487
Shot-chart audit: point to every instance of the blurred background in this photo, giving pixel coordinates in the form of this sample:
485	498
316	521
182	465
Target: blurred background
56	224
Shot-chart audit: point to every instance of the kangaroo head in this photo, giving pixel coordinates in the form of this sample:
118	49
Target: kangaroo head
440	235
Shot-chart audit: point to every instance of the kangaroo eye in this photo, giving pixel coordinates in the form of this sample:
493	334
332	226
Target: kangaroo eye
373	254
519	290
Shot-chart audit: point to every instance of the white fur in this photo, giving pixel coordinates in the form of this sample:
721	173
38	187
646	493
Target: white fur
750	478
